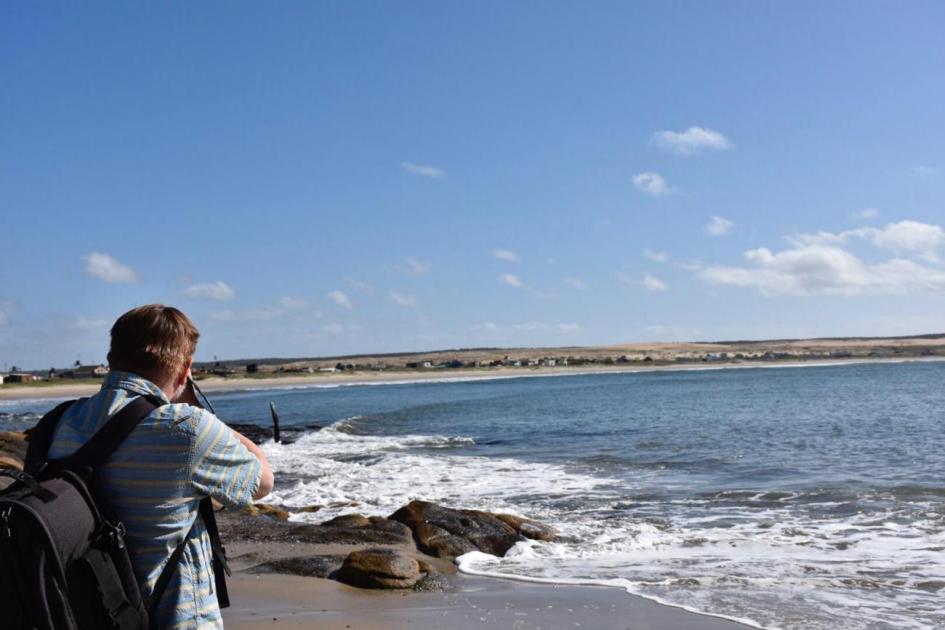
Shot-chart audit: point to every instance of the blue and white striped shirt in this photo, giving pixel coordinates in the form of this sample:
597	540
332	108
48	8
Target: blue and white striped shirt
154	482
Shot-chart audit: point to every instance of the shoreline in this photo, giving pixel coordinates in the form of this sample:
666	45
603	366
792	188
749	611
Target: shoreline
288	601
403	377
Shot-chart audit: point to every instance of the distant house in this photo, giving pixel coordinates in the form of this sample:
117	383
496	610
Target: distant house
550	362
2	376
19	377
330	370
87	371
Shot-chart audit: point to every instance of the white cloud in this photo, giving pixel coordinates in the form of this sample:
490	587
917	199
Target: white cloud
574	283
504	254
290	302
655	256
340	298
340	329
652	283
865	214
652	184
218	290
718	226
422	169
924	171
403	299
824	269
907	237
410	265
104	267
512	280
691	141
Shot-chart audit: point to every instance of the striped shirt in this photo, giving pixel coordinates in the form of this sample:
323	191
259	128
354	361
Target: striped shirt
154	482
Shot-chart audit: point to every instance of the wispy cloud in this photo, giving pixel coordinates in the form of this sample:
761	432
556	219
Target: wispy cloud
924	171
652	184
574	283
512	280
218	290
718	226
655	256
904	237
403	299
410	265
290	302
340	298
652	283
493	328
865	214
106	268
691	141
423	170
504	254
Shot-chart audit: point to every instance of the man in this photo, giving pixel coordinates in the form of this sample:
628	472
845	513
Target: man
176	456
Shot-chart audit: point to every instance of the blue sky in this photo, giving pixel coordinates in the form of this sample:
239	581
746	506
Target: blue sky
322	178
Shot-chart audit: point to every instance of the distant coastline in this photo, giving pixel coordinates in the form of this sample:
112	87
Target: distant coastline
66	389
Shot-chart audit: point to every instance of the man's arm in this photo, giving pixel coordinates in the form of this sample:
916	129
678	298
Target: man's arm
267	481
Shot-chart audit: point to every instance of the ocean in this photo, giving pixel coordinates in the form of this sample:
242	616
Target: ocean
785	497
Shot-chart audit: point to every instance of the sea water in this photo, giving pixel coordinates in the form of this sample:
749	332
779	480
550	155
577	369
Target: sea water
806	497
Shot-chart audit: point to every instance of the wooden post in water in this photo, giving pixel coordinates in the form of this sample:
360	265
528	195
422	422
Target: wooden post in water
275	422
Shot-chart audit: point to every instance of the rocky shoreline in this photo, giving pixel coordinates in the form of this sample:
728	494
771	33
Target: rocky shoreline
413	548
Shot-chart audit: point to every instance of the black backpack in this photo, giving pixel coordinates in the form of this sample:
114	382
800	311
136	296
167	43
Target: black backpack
63	560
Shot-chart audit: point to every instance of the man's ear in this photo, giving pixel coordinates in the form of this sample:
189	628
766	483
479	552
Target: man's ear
185	372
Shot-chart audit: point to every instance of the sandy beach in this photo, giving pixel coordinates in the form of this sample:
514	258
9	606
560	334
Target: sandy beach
65	389
284	601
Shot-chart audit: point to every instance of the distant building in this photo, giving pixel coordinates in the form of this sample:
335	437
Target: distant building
87	371
19	377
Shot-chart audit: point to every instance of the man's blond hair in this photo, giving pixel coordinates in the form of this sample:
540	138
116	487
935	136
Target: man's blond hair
152	337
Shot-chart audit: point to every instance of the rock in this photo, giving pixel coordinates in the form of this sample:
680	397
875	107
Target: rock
528	528
309	509
379	568
348	520
272	511
12	449
447	533
310	566
354	529
12	453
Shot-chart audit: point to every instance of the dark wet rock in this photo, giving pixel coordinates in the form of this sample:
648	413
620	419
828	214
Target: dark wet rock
433	583
260	434
931	586
12	453
348	520
379	568
272	511
528	528
447	533
311	566
12	449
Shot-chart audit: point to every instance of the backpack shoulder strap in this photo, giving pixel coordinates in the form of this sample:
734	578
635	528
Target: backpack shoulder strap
100	446
40	437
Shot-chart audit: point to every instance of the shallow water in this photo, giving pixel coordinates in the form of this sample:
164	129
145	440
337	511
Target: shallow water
793	498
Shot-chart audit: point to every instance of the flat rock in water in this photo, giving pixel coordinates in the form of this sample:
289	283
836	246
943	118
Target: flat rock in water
379	568
447	533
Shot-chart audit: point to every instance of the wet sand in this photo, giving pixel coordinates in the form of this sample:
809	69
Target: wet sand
283	601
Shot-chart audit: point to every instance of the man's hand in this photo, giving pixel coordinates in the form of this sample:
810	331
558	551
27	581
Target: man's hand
188	395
